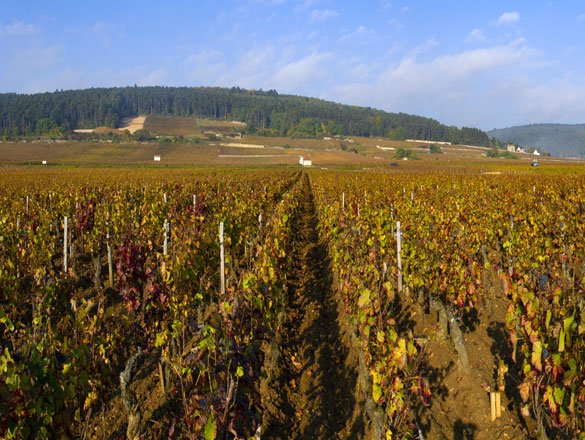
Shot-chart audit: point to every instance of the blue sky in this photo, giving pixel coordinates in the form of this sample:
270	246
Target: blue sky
466	63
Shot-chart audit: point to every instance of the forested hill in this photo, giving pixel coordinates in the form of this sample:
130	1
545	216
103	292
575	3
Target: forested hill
558	139
265	111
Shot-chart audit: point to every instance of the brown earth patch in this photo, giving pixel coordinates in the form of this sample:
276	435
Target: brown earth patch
460	408
312	386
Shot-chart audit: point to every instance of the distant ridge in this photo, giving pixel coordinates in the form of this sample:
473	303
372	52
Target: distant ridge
562	140
265	112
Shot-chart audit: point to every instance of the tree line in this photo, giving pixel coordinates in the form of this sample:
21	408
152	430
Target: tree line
265	113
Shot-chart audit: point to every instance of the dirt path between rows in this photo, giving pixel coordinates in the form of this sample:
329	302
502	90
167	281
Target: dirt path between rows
313	389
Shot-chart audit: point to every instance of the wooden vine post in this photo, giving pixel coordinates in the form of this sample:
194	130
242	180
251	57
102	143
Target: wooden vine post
65	234
110	265
166	237
343	199
398	250
222	258
496	405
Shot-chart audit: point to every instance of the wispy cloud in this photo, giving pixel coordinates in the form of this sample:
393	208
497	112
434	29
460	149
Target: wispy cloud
303	5
297	75
475	35
153	78
107	33
323	14
385	5
204	67
428	45
508	18
446	85
397	26
359	34
18	29
269	2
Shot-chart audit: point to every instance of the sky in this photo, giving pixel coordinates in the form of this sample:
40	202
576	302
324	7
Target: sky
486	64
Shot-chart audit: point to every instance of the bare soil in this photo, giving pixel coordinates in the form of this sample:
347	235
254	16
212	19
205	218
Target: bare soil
460	408
312	391
132	124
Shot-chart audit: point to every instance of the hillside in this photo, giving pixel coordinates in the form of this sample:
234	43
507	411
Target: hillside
558	139
265	113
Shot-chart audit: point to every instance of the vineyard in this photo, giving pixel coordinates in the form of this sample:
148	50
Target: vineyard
274	303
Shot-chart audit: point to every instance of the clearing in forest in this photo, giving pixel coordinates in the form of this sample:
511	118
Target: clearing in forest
132	124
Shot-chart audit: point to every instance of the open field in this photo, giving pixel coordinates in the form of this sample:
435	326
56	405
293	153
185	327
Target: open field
217	142
323	153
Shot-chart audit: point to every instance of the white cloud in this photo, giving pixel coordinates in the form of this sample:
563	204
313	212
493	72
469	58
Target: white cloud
459	88
405	9
559	101
255	65
359	34
36	58
268	2
102	33
360	71
475	35
396	25
427	46
17	29
508	18
205	67
385	5
304	5
581	17
100	26
323	14
106	33
154	78
297	76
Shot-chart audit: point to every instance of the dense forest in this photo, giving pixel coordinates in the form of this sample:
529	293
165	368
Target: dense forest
265	112
558	139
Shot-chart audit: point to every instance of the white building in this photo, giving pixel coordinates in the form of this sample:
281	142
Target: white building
157	158
511	148
305	162
536	153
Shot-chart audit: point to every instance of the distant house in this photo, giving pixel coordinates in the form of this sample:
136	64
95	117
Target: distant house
305	162
511	148
157	158
536	153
